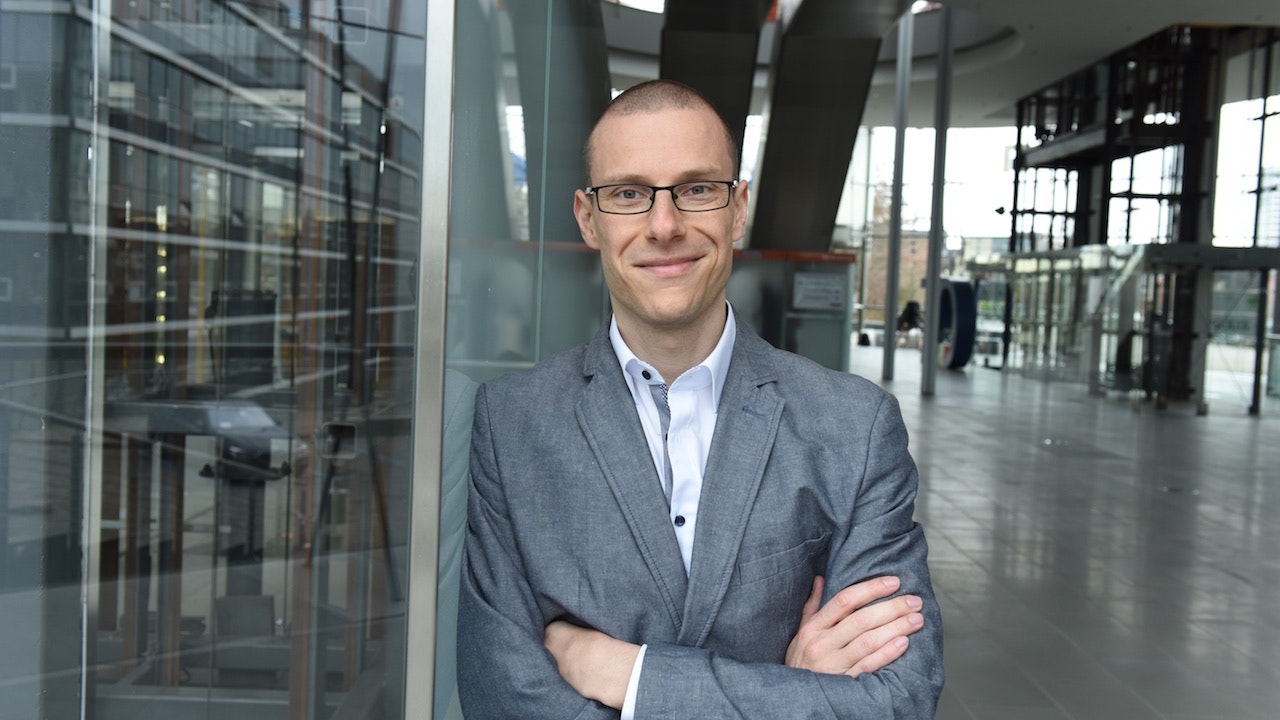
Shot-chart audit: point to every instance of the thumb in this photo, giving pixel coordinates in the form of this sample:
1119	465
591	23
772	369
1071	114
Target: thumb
814	602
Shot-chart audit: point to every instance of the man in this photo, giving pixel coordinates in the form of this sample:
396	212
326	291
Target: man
677	519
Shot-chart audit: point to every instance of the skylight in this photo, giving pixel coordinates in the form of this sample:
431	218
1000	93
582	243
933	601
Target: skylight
653	6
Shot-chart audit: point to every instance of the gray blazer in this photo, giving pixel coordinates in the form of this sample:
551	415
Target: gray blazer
808	474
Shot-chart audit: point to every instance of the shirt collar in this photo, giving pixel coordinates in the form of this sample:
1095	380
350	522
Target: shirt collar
717	363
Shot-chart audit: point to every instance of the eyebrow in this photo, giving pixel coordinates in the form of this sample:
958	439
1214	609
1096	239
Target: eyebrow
688	176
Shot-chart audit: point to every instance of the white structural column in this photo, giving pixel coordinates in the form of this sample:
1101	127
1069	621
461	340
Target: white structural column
933	280
906	32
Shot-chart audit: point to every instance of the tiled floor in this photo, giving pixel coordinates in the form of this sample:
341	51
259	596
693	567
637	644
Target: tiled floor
1096	559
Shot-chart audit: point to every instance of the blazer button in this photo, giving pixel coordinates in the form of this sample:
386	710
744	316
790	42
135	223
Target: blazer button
679	521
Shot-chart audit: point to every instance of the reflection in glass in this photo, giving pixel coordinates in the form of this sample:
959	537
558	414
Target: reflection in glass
211	221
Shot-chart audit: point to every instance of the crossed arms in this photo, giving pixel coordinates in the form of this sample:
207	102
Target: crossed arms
850	635
866	651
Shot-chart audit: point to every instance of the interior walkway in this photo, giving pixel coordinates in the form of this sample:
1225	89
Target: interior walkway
1095	559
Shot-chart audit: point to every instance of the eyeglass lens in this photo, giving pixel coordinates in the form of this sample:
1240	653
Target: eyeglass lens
694	196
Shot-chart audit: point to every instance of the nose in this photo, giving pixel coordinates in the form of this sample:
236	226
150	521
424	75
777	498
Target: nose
665	219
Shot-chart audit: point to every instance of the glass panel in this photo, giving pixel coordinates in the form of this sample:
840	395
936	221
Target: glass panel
1233	355
522	284
206	356
1268	210
530	79
1236	195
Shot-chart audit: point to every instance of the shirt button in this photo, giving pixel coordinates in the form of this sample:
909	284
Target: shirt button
679	521
646	375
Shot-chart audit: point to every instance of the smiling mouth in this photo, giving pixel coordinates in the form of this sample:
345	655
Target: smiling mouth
669	268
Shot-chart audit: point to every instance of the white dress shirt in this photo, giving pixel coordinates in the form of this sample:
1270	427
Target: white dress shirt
693	398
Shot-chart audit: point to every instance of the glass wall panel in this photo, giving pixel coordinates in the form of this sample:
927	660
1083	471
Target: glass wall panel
210	230
530	78
1232	356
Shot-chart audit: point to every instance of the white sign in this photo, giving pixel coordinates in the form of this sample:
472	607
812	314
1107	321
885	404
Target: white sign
818	291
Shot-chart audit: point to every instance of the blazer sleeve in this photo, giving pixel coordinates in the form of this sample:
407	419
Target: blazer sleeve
879	537
504	670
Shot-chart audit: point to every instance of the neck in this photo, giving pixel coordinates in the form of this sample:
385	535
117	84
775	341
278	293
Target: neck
672	351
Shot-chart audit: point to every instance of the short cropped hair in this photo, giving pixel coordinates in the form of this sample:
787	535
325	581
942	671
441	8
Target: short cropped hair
653	96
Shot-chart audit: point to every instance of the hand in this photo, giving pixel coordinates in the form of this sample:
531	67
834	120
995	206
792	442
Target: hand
594	664
850	635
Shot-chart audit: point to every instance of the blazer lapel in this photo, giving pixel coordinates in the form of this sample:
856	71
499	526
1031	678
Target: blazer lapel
746	425
608	420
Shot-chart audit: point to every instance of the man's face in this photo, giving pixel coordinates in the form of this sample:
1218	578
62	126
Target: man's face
666	269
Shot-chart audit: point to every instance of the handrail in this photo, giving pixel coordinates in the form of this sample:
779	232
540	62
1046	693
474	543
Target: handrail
1134	261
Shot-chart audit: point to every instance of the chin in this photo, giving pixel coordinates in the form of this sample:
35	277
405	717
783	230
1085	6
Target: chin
674	317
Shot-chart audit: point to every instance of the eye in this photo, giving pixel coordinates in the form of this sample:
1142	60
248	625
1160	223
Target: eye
627	193
697	190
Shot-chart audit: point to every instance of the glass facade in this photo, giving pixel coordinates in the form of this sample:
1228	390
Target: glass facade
212	242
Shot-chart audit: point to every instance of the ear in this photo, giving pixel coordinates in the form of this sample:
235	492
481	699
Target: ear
741	196
584	210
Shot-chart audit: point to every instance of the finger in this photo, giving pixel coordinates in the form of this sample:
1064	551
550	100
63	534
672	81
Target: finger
824	640
869	646
814	602
853	598
836	652
880	658
878	615
827	641
556	638
867	630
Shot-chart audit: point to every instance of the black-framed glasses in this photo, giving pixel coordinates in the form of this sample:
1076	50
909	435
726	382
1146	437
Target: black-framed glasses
634	199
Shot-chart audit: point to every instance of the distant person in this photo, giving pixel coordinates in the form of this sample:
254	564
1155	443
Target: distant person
677	520
910	318
911	324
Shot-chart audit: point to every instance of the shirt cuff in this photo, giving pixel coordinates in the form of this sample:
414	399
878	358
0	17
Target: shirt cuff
633	687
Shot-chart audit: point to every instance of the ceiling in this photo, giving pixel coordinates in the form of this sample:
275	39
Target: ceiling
828	67
1004	49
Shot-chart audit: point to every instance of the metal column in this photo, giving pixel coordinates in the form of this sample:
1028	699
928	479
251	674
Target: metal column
933	283
906	29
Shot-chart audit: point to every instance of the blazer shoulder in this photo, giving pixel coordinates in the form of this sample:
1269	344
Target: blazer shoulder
798	374
536	383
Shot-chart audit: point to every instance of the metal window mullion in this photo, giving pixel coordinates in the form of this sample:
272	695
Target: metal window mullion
428	401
